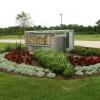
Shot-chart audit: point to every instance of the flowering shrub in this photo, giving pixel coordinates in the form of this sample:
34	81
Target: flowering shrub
23	68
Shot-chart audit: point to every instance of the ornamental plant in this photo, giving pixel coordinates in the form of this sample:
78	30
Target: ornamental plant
87	70
56	61
22	68
84	60
86	51
19	56
68	71
51	75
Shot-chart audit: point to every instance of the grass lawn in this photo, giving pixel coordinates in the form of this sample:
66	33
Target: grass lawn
11	37
87	37
3	45
14	87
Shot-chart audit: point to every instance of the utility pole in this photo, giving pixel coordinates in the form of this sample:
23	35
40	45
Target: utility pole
61	18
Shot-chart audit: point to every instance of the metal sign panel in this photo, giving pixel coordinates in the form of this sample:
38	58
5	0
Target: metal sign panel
60	40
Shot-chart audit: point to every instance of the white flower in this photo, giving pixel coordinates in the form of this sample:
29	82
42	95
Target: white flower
39	69
40	74
47	70
24	69
99	70
51	75
94	71
78	68
12	68
80	73
89	72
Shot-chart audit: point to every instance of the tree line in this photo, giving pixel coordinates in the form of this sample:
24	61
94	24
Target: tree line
79	29
24	21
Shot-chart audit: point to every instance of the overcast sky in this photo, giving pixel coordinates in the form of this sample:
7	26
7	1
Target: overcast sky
46	12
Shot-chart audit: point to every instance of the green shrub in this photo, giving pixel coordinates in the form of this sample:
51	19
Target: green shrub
68	71
18	46
54	60
8	48
86	51
2	50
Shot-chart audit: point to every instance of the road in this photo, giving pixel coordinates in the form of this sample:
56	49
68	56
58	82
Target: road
95	44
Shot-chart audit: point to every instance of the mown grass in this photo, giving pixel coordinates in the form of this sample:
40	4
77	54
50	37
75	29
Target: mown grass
83	37
87	37
3	46
14	87
11	37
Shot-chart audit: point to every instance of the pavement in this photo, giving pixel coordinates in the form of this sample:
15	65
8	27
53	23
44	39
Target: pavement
95	44
12	41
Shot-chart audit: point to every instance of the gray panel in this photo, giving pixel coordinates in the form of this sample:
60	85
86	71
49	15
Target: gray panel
58	43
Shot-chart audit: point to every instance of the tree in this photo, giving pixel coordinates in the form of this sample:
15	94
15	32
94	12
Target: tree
98	22
98	26
24	20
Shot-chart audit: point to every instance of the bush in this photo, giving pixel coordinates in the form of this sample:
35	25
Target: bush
2	50
7	48
18	46
54	60
68	71
85	51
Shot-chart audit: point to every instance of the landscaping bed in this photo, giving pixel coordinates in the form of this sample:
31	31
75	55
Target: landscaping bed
21	56
22	68
50	63
85	61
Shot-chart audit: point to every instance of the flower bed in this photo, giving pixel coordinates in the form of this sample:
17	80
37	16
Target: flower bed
87	70
84	60
24	69
85	65
21	57
22	62
53	60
